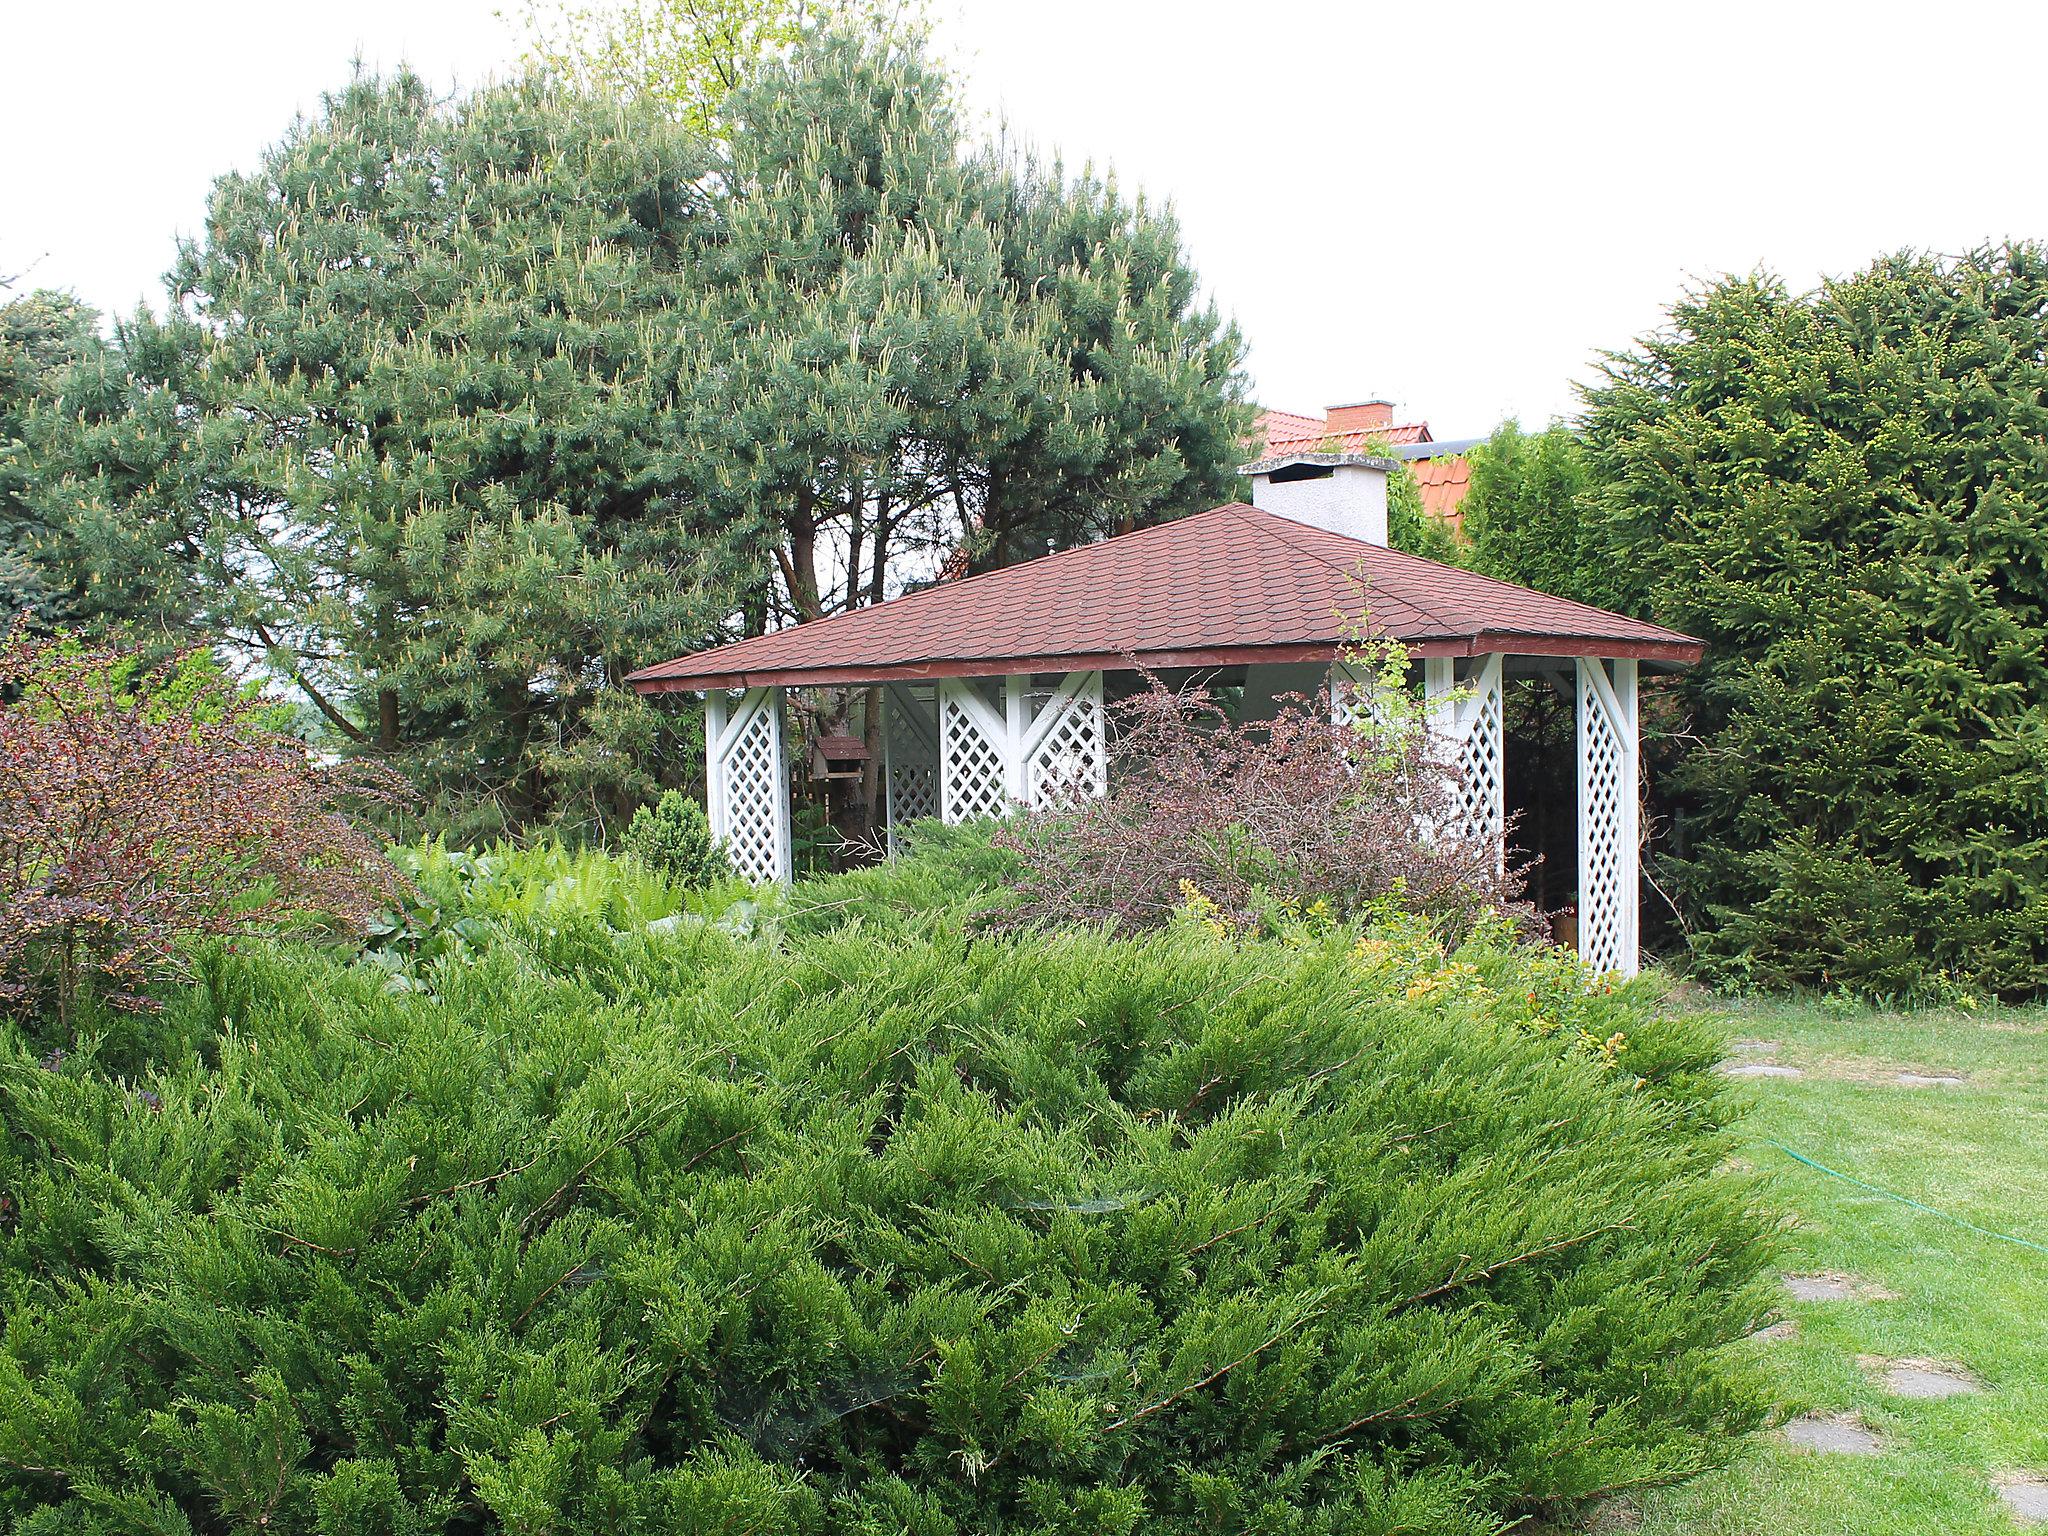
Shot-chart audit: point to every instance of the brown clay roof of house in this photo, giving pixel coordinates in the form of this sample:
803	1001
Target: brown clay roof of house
1221	588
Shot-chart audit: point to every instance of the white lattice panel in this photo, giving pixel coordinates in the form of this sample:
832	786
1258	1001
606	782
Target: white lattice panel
973	777
1069	760
1354	696
753	789
1609	858
1482	739
1470	739
911	759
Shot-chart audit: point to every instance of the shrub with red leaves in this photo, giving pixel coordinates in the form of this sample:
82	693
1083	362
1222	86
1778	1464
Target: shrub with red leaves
1245	820
134	818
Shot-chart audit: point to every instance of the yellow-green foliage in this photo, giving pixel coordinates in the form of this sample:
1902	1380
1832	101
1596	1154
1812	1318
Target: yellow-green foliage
839	1218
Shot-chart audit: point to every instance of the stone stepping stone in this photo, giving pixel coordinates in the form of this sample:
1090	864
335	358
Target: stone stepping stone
1833	1285
1929	1080
1927	1379
2026	1496
1781	1332
1839	1437
1757	1069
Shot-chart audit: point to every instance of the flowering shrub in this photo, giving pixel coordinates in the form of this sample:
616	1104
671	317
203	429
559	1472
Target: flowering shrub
1260	819
133	819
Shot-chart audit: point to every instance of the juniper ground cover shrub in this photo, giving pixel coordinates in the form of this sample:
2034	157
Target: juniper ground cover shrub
635	1224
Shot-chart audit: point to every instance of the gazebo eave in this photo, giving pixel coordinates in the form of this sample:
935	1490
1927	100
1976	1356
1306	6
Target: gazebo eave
857	673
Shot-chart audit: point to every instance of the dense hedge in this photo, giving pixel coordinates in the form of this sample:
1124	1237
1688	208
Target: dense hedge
613	1223
1842	491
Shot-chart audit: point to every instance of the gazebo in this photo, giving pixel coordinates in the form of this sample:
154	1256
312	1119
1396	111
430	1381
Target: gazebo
996	687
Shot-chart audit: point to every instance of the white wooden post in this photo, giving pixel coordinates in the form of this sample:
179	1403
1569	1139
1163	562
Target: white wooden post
1610	816
1354	694
1016	722
992	763
1065	748
973	764
714	781
747	783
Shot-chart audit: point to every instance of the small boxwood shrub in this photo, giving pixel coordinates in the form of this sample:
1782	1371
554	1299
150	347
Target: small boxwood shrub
674	836
650	1226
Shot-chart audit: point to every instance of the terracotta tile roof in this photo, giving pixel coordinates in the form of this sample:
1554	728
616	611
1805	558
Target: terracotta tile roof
1290	432
1225	586
1444	480
1288	426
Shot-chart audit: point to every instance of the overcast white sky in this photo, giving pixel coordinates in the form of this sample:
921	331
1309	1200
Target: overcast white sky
1452	205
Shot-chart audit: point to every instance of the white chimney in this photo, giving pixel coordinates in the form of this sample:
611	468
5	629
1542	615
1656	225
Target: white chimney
1342	492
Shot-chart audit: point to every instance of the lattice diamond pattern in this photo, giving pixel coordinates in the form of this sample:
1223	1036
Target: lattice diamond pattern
972	776
1602	859
1480	757
753	795
913	761
1071	762
1353	700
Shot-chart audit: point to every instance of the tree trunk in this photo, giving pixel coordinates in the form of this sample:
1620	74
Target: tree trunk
800	567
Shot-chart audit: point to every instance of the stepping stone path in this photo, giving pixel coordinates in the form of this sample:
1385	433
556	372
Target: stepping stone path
1840	1437
1833	1285
2026	1497
1926	1080
1781	1332
1921	1378
1757	1069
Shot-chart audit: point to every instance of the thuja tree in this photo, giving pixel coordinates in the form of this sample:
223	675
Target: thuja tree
1530	515
679	1231
395	432
1842	492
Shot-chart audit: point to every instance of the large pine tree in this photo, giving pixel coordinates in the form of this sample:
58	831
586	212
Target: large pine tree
48	340
395	437
911	345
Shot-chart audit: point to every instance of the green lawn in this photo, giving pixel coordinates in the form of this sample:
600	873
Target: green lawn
1979	1151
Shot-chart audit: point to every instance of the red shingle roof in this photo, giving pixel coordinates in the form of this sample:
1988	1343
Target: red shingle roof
1224	587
